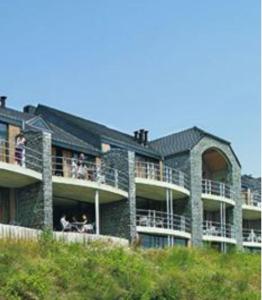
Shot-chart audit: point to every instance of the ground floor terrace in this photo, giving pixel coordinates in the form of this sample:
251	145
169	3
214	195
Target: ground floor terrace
159	222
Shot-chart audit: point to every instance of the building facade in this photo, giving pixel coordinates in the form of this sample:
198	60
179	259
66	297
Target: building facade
181	189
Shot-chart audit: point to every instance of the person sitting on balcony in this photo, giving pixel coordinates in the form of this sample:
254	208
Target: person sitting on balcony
88	228
81	167
20	149
66	225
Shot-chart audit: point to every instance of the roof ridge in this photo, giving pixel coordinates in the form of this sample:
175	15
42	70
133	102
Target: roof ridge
85	120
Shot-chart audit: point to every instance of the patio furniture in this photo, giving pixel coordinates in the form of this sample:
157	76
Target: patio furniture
66	226
144	221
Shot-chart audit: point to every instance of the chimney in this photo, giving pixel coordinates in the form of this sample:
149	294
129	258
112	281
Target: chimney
141	136
2	101
30	109
145	137
136	134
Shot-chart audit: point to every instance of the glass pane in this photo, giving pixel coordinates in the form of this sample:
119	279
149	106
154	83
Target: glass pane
3	131
4	206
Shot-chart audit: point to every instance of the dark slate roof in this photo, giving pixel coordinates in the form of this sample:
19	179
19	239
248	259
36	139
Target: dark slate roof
183	141
13	116
248	181
92	132
177	142
66	139
59	136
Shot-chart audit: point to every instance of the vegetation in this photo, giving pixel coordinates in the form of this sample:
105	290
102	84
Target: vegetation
52	270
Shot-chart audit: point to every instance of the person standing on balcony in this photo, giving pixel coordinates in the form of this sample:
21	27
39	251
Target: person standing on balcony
20	149
81	167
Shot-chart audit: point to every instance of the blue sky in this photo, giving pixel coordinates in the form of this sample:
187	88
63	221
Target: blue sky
161	65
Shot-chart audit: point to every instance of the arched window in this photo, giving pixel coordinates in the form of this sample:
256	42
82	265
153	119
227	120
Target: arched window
216	166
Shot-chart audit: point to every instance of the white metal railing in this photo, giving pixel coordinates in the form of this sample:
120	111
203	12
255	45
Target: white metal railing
252	235
216	188
22	156
160	219
90	171
251	198
154	171
218	229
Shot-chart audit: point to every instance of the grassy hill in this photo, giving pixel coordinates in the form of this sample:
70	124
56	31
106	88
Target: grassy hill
52	270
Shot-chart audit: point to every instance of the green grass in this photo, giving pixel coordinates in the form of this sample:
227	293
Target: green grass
53	270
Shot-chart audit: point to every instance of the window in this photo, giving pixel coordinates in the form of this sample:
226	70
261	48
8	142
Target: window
4	206
3	131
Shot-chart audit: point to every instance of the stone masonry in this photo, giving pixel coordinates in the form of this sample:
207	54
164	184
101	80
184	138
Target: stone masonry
196	188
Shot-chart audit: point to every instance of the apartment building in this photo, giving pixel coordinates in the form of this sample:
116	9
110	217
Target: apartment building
181	189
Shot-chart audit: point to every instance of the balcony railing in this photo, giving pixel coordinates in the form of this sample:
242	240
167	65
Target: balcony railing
251	235
251	198
216	188
167	174
25	157
160	219
218	229
86	170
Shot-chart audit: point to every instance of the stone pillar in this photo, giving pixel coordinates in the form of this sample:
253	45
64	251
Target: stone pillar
195	198
132	195
47	180
237	210
97	212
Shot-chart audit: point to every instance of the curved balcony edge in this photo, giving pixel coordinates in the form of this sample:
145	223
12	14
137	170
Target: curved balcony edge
221	239
218	198
162	184
17	176
94	185
252	244
163	231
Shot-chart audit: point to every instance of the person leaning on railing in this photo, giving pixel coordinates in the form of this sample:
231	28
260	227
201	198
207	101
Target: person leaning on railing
20	149
81	167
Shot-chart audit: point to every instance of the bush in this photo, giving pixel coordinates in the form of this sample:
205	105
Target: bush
48	269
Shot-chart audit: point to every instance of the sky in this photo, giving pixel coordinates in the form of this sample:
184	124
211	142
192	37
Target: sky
160	65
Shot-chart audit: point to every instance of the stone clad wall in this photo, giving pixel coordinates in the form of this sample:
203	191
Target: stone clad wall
114	219
180	162
120	217
117	159
33	152
30	206
196	188
37	199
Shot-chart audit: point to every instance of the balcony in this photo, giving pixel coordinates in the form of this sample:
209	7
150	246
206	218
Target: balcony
153	179
19	166
252	238
215	190
79	180
218	232
251	205
159	222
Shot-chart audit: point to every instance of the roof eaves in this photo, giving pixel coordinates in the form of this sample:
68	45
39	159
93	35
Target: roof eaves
140	150
75	147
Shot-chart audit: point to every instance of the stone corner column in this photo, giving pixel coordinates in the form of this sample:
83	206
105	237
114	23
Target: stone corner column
47	180
237	210
132	195
196	204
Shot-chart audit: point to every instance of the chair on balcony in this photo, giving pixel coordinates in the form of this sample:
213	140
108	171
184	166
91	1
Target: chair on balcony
66	226
144	221
159	222
252	237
